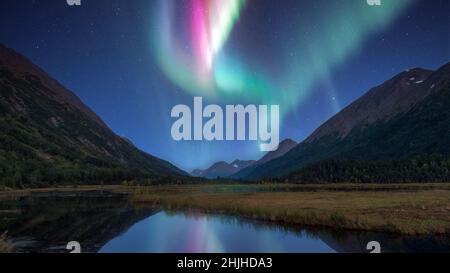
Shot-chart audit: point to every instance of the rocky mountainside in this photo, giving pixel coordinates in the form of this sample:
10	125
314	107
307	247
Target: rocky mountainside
48	136
398	130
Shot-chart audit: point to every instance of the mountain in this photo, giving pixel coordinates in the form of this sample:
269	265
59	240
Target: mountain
392	97
284	147
396	132
239	168
222	169
48	136
197	173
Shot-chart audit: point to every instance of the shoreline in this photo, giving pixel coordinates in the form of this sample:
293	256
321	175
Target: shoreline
406	209
412	212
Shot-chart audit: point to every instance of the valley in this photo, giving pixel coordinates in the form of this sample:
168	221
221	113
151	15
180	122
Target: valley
380	166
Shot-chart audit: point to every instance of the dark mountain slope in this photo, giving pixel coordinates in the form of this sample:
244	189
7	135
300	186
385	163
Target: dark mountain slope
398	127
47	135
284	147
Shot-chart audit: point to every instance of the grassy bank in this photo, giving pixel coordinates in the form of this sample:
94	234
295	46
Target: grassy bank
398	208
406	209
9	193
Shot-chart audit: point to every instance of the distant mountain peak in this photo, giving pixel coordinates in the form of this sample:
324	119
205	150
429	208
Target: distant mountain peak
222	169
288	141
197	173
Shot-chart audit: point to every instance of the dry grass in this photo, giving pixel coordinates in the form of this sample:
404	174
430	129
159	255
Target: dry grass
413	211
400	208
16	193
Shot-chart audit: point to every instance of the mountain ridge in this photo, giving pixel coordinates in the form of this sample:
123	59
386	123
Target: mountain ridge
393	89
19	64
222	169
235	168
372	127
50	136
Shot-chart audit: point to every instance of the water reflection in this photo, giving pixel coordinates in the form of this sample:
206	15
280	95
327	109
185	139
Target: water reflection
47	222
194	233
105	222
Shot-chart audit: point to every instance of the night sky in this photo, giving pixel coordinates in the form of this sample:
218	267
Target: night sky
131	61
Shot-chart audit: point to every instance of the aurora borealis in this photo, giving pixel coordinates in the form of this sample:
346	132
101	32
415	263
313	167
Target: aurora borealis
132	61
198	56
208	27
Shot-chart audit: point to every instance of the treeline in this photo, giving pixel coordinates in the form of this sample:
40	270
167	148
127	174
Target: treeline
30	159
430	169
33	173
45	164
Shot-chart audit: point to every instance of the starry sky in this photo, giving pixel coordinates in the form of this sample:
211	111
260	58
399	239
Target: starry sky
131	61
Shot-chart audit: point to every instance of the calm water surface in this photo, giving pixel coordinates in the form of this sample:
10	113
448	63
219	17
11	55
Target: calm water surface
178	232
106	222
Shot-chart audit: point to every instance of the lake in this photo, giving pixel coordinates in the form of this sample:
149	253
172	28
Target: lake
194	233
108	223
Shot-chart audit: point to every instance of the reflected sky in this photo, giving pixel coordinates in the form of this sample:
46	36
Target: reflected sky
179	233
